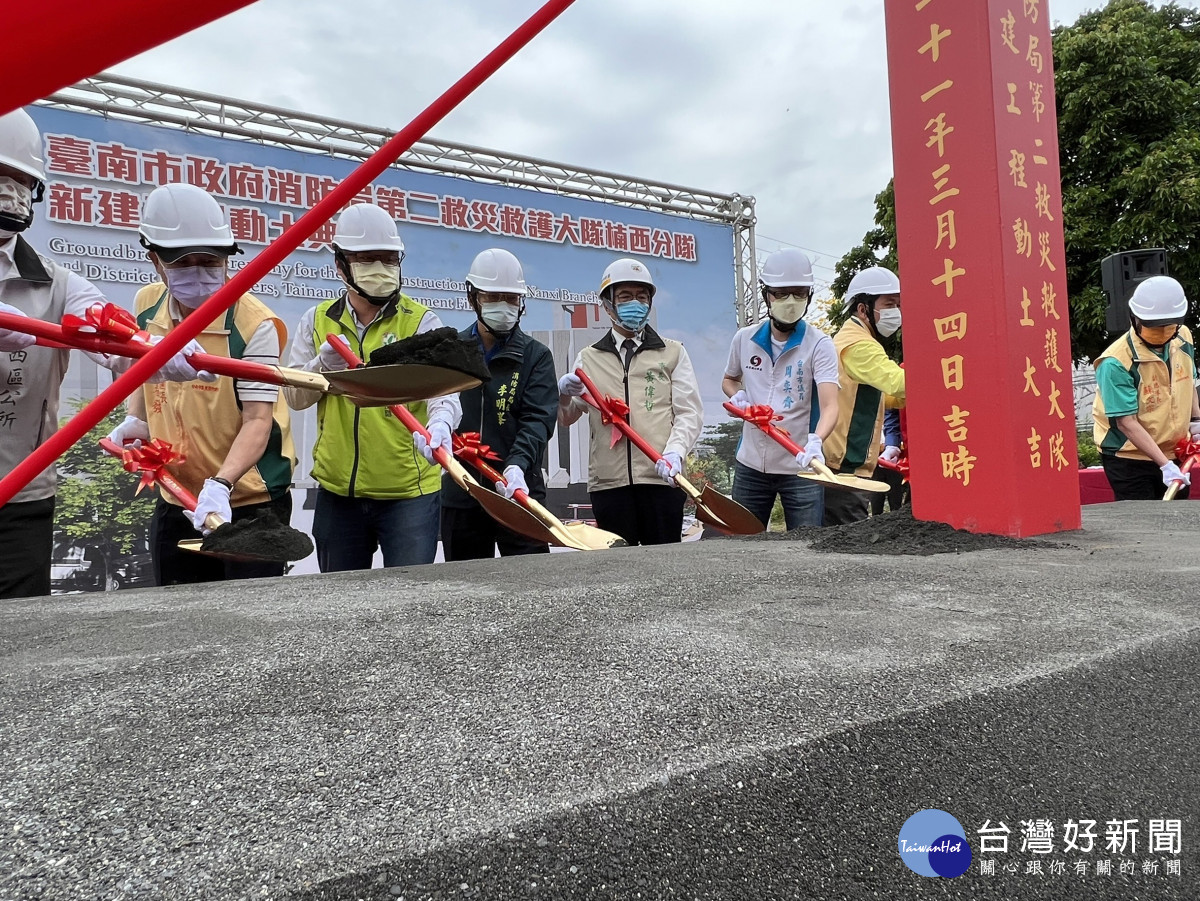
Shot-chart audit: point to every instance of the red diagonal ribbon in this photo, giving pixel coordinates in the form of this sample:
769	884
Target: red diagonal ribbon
467	445
104	320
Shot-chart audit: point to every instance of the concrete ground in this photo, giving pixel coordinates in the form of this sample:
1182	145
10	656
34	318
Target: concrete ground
729	719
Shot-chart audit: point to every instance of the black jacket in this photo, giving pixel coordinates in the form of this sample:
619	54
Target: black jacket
515	412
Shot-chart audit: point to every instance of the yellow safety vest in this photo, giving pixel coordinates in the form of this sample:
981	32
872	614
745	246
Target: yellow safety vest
366	451
202	419
1164	395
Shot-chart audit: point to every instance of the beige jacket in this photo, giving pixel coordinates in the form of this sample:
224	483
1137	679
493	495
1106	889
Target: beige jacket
663	396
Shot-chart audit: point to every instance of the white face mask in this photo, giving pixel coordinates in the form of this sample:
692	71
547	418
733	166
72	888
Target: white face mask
192	285
16	204
15	198
888	322
378	280
788	310
499	315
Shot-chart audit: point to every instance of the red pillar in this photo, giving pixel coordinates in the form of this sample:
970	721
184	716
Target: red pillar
987	352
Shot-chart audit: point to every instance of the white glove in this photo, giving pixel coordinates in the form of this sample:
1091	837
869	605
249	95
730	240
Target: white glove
571	385
668	467
891	453
130	433
1194	431
329	359
1172	473
439	436
178	369
213	498
741	399
812	451
11	341
514	480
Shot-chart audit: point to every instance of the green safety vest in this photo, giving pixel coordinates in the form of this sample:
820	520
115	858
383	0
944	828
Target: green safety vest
366	451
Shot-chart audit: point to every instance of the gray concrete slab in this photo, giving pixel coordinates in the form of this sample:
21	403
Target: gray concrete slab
723	719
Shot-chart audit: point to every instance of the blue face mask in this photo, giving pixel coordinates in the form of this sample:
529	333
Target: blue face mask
633	314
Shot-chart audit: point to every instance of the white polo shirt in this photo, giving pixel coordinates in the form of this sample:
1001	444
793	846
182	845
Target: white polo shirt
785	378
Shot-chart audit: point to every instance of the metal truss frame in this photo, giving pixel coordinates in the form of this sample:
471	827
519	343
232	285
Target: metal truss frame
130	99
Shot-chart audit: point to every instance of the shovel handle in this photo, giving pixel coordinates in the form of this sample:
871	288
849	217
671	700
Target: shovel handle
597	400
168	483
1177	485
51	335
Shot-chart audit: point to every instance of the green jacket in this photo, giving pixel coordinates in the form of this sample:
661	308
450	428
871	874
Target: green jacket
366	451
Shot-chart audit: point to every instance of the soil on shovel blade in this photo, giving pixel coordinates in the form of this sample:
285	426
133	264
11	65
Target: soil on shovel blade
440	347
262	536
898	533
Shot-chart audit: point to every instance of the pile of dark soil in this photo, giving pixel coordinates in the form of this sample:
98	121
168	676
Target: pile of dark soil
440	347
899	533
262	536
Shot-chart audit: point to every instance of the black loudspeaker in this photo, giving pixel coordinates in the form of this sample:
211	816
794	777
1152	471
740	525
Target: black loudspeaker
1121	273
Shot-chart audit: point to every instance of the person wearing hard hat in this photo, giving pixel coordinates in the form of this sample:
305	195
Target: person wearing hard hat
654	377
785	364
234	437
870	380
31	376
1145	400
376	487
513	414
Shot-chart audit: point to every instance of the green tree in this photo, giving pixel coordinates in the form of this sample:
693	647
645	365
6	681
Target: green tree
97	503
1128	100
1128	84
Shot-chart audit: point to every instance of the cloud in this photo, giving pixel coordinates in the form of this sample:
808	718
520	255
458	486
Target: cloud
786	101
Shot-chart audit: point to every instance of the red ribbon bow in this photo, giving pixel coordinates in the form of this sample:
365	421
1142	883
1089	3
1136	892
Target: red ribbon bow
467	444
1186	450
613	411
104	320
763	415
150	459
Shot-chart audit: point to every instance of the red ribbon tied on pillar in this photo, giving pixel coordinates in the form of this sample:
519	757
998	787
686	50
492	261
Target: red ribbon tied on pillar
150	459
104	320
467	445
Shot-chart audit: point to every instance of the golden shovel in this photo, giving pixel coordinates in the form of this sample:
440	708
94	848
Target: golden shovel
500	508
712	507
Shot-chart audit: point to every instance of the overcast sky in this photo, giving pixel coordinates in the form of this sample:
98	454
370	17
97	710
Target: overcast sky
785	100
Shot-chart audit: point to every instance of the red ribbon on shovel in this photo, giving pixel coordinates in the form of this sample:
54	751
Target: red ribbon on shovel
1187	450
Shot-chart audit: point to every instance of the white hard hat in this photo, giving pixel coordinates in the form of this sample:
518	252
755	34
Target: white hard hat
497	271
365	226
178	219
787	268
873	280
1159	299
625	270
21	144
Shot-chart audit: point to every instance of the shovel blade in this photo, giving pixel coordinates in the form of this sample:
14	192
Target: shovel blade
399	383
512	515
729	514
193	545
846	482
591	538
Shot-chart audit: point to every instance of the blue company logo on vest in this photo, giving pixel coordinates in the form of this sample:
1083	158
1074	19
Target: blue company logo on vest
933	843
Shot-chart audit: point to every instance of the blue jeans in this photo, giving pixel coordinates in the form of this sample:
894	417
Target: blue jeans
348	529
803	501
